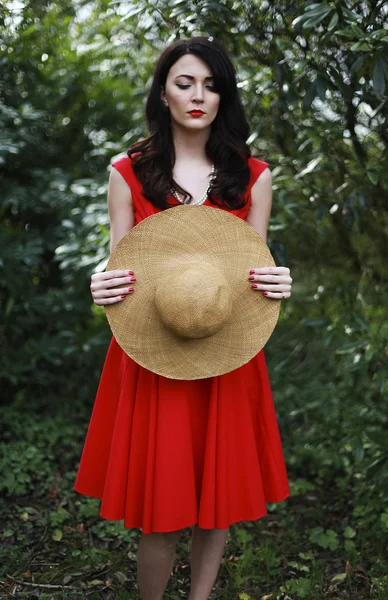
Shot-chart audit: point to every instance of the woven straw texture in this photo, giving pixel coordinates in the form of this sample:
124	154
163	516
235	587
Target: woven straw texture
172	245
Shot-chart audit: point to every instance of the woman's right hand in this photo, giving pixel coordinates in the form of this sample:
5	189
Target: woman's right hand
106	287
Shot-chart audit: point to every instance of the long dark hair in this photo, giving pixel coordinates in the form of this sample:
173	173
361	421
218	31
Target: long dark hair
226	147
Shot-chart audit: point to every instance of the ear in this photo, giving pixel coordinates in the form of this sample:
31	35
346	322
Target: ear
163	95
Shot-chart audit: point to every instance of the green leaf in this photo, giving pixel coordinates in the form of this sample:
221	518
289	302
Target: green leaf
379	34
314	322
313	6
379	77
349	546
360	452
310	167
351	16
351	347
357	30
319	12
384	64
333	22
363	323
373	176
338	578
314	21
349	532
345	33
360	47
356	66
57	535
7	533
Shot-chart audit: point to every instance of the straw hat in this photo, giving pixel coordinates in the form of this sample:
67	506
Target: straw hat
193	313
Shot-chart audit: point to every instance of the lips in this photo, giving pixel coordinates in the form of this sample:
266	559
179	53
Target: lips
196	113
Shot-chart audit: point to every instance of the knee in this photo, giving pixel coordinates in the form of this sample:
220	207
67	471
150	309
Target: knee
173	536
165	537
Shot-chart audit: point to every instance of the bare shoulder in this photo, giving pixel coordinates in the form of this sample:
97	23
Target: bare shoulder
118	187
263	184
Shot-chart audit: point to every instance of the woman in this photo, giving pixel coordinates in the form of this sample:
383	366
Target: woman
165	454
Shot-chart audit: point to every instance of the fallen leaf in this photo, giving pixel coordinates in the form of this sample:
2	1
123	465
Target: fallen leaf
95	582
348	568
121	577
31	510
57	535
339	578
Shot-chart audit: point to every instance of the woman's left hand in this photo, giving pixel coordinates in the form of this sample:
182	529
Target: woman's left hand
273	282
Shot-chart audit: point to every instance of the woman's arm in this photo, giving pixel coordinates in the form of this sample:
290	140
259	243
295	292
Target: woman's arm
120	208
273	282
106	287
261	203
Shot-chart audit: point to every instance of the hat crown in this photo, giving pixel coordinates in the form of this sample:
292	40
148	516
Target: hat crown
194	300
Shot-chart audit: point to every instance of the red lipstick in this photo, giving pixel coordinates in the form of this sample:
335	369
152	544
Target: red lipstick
196	113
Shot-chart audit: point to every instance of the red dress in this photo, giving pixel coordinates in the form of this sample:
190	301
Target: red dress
164	454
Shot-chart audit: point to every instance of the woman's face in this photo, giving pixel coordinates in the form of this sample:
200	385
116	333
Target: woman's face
189	87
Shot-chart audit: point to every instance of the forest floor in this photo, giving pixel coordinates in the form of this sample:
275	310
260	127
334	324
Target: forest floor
55	545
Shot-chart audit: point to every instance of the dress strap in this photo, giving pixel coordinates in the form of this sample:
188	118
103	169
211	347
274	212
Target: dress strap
124	167
256	167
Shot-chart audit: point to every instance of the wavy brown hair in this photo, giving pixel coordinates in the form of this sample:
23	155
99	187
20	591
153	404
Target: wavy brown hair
154	157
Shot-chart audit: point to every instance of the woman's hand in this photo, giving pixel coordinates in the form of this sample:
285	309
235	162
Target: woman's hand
106	286
273	282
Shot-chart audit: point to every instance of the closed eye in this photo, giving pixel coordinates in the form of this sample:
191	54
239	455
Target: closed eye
184	86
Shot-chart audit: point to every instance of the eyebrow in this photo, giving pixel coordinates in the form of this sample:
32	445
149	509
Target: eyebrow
191	77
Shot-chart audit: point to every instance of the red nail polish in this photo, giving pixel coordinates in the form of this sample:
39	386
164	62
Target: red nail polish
251	272
254	286
265	293
133	278
130	289
251	278
131	273
123	296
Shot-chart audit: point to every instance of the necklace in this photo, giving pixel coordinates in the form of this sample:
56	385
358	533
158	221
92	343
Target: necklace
202	199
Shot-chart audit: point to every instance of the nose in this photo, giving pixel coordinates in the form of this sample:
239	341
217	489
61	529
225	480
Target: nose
198	94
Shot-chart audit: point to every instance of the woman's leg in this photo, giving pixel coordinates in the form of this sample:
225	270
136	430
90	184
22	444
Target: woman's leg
155	559
207	548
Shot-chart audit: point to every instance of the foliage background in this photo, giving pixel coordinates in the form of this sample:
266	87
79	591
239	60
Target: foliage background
313	78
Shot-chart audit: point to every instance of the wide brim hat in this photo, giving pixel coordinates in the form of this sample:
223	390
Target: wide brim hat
193	313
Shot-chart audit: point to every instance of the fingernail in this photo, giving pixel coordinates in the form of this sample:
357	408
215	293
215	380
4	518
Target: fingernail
251	278
131	273
254	286
251	272
133	278
124	296
130	289
265	293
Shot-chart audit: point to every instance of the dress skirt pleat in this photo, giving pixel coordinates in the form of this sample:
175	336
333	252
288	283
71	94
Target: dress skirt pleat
163	455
